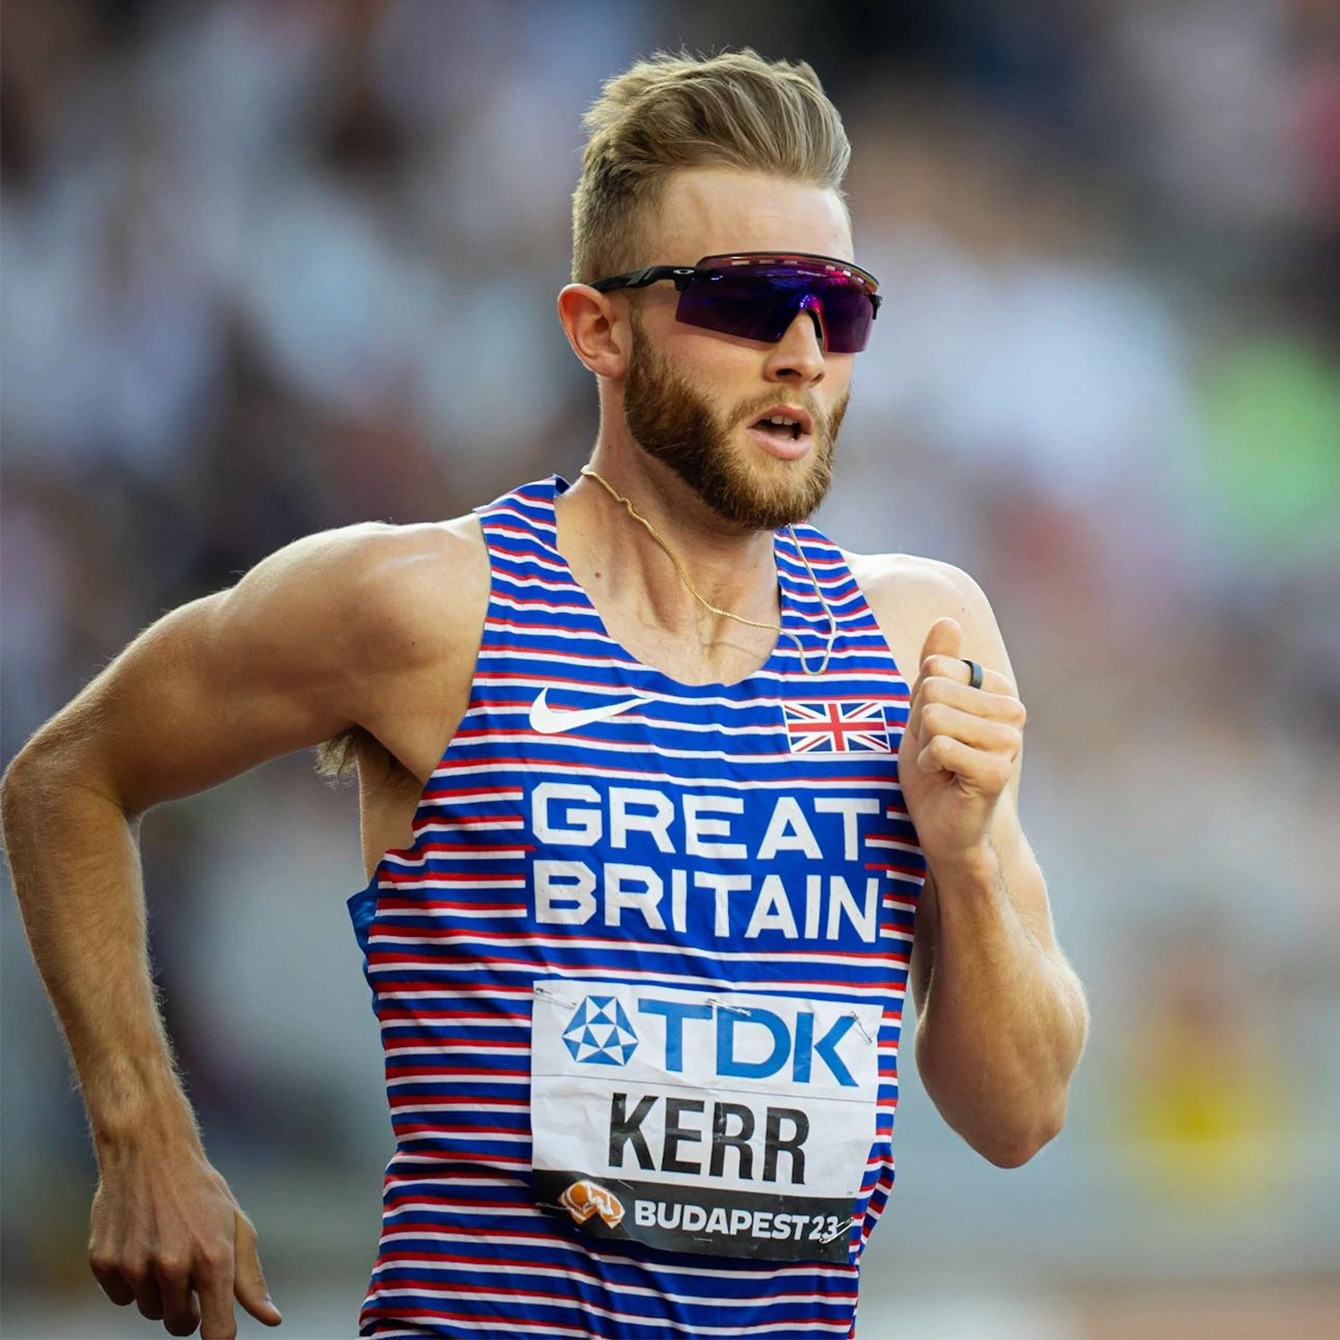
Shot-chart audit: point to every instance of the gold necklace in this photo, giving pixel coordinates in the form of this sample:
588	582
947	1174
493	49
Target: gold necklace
637	516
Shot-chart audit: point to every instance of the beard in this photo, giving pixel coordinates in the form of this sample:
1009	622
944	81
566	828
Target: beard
676	425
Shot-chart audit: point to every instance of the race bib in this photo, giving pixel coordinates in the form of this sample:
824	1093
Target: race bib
694	1121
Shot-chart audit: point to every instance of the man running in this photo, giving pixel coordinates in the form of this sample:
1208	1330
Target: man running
664	797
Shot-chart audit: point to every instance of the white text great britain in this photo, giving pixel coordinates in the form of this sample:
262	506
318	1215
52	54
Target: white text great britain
731	851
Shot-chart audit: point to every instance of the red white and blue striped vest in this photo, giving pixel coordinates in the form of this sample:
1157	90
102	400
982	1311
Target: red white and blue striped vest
710	843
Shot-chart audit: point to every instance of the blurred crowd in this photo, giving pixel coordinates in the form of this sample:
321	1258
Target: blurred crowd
271	266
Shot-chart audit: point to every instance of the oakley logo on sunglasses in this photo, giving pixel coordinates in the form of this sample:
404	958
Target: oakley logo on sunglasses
757	295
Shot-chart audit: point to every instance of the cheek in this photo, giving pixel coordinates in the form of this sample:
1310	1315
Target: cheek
706	357
717	371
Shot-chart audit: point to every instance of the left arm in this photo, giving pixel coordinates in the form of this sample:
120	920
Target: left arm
1002	1016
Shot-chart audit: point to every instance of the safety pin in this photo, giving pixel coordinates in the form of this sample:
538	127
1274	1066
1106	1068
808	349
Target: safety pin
541	989
839	1231
864	1031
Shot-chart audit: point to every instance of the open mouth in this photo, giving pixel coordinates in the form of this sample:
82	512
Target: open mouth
789	427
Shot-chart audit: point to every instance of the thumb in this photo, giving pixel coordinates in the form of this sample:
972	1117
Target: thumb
249	1281
943	638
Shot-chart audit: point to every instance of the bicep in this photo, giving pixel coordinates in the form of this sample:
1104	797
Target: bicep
944	590
923	942
210	690
1021	876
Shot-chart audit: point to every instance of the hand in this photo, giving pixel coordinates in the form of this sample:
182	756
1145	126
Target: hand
169	1236
959	748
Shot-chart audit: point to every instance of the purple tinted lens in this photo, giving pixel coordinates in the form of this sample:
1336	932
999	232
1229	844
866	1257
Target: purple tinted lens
761	304
847	313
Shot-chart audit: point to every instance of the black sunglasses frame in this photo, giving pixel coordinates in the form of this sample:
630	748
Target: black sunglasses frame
650	274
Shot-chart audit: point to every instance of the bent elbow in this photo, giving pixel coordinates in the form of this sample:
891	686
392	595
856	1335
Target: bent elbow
14	786
1013	1154
1014	1148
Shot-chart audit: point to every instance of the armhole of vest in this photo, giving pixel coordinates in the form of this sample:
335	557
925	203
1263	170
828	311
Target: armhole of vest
517	501
484	515
487	515
865	612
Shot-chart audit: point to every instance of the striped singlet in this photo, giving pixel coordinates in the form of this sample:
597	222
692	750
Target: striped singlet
640	975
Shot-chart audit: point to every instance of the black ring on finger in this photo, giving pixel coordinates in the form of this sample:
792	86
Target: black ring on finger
974	673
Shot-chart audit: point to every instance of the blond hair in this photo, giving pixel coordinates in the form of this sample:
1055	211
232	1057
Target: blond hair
671	112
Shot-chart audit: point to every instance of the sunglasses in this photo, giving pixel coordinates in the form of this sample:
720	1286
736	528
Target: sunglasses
757	295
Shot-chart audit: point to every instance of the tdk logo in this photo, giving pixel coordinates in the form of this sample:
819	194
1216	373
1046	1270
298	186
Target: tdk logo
599	1032
745	1043
743	1034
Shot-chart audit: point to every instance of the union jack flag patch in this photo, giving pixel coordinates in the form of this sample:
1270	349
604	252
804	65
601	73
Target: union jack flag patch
836	728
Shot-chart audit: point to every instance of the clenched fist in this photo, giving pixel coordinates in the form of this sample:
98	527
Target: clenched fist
959	749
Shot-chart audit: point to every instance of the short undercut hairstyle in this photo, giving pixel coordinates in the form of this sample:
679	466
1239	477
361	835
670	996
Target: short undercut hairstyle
670	112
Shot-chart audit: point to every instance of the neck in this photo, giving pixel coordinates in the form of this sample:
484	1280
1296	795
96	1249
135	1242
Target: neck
694	568
652	598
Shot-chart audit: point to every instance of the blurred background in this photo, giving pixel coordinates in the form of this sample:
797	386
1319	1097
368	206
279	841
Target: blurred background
271	266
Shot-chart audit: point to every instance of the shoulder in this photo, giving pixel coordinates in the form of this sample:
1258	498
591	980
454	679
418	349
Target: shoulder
918	585
372	591
908	594
379	622
377	556
370	626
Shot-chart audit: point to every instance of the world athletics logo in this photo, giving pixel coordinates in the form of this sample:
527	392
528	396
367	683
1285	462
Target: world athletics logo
599	1032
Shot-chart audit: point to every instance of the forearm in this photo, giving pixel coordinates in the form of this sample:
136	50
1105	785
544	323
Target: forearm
1003	1021
76	871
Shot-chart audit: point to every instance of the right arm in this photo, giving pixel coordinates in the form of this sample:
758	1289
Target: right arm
326	634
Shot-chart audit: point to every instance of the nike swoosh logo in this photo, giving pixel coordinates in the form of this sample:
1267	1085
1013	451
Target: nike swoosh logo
554	721
548	720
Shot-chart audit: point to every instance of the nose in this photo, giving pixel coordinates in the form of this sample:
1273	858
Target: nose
799	355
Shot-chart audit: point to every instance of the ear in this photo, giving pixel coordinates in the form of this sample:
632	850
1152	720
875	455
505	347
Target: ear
599	335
